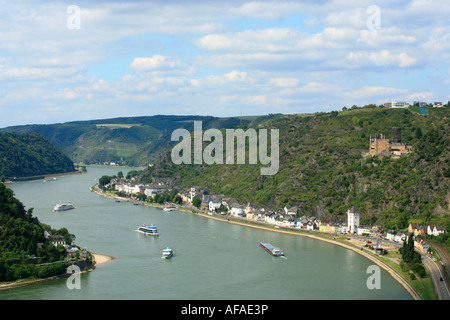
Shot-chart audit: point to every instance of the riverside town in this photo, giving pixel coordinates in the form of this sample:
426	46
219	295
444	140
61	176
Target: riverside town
201	200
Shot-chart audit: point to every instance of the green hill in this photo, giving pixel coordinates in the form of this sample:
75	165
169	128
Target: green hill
324	168
129	140
26	155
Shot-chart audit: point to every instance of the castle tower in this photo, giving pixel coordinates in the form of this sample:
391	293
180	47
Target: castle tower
352	219
396	135
378	144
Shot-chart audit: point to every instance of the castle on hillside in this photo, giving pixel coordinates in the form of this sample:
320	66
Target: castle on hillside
379	145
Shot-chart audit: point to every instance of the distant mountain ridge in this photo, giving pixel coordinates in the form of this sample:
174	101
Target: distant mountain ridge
124	140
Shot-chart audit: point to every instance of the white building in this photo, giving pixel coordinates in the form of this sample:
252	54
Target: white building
192	194
214	203
390	235
311	225
396	104
434	230
352	220
363	231
237	211
399	237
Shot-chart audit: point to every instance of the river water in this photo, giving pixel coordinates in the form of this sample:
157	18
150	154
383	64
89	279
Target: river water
213	260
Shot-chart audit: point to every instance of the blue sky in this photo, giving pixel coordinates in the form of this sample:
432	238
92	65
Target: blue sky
130	58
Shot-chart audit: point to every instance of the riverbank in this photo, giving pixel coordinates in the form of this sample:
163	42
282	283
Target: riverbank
46	176
327	238
99	259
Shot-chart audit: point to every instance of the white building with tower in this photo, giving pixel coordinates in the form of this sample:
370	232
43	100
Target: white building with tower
353	220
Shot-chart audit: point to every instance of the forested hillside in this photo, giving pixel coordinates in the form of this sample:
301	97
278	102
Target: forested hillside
21	237
25	155
325	168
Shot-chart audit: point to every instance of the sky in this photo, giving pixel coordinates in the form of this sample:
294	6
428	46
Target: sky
64	61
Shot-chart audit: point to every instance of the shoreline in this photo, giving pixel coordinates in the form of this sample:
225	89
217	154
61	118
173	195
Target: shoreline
64	174
46	176
391	271
99	259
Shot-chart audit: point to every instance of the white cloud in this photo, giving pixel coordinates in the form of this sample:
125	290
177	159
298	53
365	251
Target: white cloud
218	57
387	37
258	99
382	58
213	80
284	82
354	18
156	62
421	96
370	92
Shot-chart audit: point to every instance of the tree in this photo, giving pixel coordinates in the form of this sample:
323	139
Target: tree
173	194
120	174
104	180
418	133
141	197
177	199
409	255
160	200
196	201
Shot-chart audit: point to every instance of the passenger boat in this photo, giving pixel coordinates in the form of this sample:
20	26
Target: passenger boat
146	229
63	207
167	253
170	207
271	249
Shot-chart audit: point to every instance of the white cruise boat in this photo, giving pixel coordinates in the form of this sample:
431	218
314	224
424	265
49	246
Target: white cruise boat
63	207
170	207
146	229
167	253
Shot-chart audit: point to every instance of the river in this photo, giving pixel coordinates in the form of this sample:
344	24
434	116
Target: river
213	260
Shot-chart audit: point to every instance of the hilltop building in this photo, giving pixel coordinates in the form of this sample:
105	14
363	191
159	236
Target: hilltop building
380	145
396	104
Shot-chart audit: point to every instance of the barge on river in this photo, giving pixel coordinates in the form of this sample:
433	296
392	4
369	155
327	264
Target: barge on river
271	249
